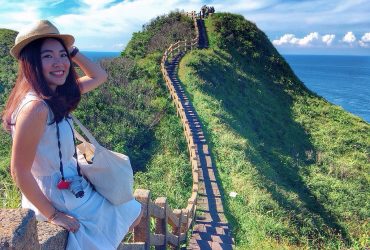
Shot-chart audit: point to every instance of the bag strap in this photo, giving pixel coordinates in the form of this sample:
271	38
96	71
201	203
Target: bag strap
60	152
79	136
86	132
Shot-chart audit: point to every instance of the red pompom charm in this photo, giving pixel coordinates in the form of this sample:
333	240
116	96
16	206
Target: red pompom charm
63	184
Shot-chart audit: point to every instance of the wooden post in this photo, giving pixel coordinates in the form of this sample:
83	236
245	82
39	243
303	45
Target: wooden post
161	224
142	231
177	230
184	220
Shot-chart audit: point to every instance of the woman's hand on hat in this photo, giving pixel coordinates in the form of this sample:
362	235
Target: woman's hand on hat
66	221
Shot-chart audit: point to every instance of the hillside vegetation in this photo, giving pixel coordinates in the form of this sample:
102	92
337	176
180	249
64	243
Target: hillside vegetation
131	113
298	163
8	67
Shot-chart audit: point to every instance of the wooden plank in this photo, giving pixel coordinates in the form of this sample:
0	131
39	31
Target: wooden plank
185	217
194	163
193	154
172	239
156	211
161	224
193	198
142	231
195	177
172	219
190	208
132	246
177	230
182	237
157	239
195	187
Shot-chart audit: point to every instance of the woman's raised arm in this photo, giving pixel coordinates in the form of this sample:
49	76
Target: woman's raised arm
94	74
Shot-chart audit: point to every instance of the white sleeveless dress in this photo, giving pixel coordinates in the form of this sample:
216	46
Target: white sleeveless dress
102	225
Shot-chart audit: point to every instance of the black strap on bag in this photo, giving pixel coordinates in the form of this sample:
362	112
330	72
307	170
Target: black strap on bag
60	152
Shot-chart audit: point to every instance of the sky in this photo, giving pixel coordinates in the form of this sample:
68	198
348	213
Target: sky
293	26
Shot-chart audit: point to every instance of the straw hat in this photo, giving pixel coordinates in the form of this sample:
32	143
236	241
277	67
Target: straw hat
42	29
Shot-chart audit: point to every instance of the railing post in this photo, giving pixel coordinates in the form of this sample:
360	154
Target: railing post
177	230
185	216
142	231
184	220
161	224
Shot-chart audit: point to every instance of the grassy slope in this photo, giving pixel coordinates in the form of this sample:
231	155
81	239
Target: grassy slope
9	196
132	113
298	163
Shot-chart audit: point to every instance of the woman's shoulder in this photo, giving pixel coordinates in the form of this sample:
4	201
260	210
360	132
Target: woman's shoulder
31	118
32	105
35	108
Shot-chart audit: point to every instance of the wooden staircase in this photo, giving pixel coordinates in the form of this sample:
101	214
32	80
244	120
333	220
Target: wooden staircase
203	39
211	229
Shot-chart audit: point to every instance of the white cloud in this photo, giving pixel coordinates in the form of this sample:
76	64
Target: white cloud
56	2
365	40
349	37
363	44
15	15
366	37
242	5
97	4
119	45
309	40
287	38
328	39
114	23
111	22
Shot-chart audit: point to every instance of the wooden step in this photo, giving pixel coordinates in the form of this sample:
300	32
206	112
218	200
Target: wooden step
203	244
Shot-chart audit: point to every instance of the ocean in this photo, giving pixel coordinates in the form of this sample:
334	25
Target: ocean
97	56
342	80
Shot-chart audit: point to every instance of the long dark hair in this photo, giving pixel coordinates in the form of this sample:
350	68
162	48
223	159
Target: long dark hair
30	77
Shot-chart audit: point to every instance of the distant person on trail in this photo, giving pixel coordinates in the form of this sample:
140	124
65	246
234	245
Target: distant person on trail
206	12
46	91
203	10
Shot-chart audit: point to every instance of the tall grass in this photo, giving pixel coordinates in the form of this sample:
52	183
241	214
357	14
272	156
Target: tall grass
298	163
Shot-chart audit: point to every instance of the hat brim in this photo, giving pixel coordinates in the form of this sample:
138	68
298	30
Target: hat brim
16	49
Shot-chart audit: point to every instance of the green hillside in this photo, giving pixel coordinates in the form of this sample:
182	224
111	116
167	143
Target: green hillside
298	163
8	67
132	113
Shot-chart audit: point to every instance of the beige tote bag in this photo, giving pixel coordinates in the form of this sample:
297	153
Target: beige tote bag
110	172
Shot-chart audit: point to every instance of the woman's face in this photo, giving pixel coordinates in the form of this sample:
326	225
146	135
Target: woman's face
55	63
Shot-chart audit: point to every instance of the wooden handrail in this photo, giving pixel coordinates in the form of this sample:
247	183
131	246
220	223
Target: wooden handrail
180	220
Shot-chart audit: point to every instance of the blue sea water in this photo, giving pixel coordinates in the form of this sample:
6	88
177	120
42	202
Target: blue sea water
342	80
97	56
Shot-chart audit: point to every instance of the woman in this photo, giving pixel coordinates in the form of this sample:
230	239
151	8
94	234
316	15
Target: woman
46	91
